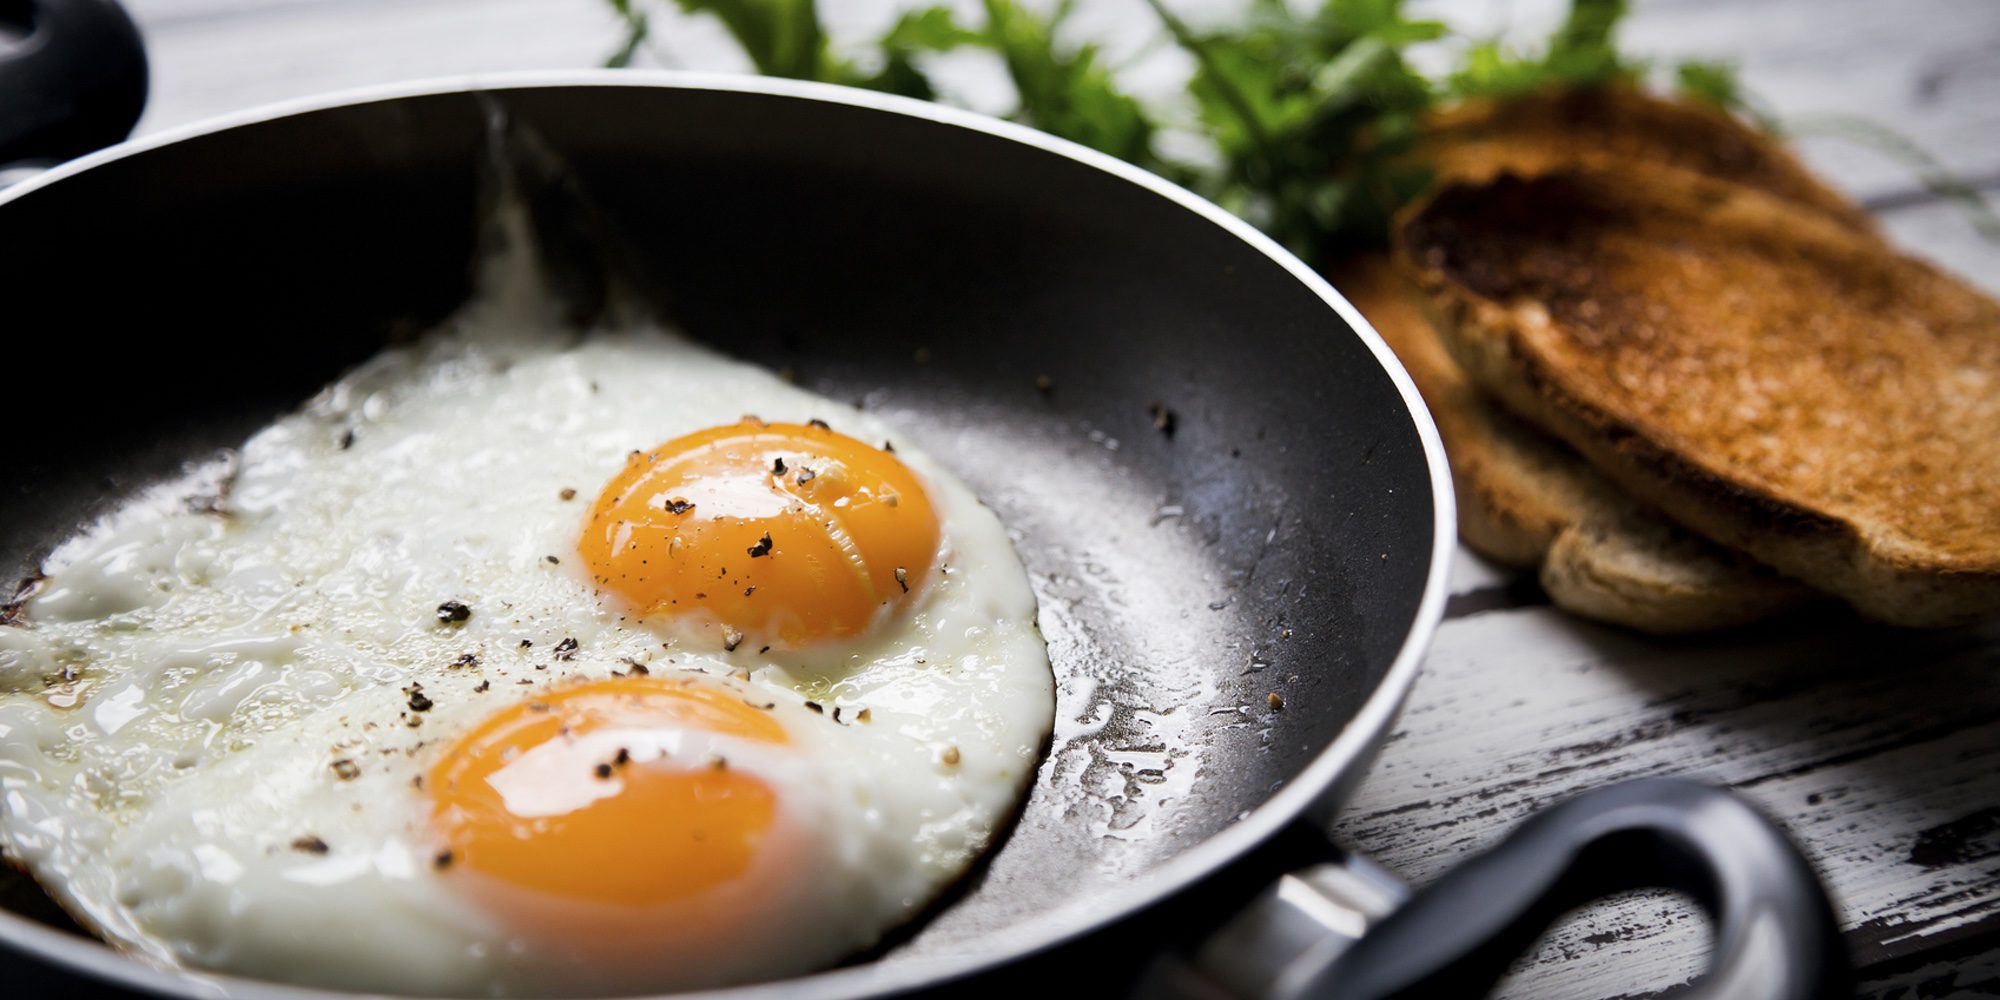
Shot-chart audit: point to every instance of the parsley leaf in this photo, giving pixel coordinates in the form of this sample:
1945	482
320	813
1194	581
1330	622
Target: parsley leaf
1313	115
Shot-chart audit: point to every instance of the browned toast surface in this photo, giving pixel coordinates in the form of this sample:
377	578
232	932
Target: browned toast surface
1775	379
1474	140
1527	500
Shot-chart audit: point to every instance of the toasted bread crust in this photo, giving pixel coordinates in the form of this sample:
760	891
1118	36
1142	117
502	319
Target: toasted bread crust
1526	500
1774	379
1515	491
1632	567
1478	139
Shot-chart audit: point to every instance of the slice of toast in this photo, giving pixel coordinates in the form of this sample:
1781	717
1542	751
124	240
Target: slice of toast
1527	500
1767	375
1524	498
1474	140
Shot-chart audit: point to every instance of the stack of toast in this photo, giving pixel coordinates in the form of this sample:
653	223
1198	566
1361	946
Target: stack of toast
1683	379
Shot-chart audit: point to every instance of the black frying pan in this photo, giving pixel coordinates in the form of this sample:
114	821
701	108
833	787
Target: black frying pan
1289	535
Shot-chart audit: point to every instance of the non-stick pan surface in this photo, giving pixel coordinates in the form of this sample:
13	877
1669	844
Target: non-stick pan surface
1283	531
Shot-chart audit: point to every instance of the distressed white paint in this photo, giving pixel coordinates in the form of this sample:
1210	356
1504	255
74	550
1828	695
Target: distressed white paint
1858	739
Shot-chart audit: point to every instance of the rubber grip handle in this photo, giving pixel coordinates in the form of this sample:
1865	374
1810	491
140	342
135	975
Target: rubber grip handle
73	81
1776	936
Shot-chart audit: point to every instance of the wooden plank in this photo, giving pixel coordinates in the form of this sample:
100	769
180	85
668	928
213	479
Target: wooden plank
1929	68
1879	749
210	59
1942	233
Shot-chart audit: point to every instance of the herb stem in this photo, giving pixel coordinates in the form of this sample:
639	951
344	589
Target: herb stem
1224	86
1933	174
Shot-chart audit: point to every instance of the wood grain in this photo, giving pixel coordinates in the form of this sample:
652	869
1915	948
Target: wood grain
1879	750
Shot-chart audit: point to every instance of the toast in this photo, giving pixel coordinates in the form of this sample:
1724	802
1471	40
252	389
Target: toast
1527	500
1524	498
1760	370
1476	139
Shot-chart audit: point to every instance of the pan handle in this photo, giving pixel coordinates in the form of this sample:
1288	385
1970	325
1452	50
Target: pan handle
72	79
1344	931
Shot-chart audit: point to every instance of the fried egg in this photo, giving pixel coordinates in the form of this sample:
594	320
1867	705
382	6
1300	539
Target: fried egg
522	662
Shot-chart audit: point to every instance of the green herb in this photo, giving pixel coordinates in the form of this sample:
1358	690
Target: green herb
637	28
1312	115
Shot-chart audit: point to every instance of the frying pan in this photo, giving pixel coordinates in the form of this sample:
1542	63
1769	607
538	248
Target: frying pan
1287	532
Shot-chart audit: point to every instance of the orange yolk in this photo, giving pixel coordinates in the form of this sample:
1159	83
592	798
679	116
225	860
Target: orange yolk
774	534
578	793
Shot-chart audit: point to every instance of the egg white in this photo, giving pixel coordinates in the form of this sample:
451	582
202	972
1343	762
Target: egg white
186	676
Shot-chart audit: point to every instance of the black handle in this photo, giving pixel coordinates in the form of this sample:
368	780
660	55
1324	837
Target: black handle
1776	937
73	82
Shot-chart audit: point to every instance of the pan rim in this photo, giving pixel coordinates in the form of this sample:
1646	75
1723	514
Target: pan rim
1309	788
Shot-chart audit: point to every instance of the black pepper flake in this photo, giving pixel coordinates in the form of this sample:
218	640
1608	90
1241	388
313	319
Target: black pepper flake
567	493
778	466
638	669
345	769
767	706
482	687
731	639
443	860
1164	419
761	650
747	591
817	422
602	771
566	649
889	447
816	708
903	579
525	643
419	701
453	612
624	757
807	476
552	560
310	844
762	548
678	506
347	439
466	660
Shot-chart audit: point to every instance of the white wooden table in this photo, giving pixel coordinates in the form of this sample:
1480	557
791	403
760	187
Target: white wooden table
1880	750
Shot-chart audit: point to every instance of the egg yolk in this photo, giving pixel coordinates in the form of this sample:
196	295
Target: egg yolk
773	534
582	792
